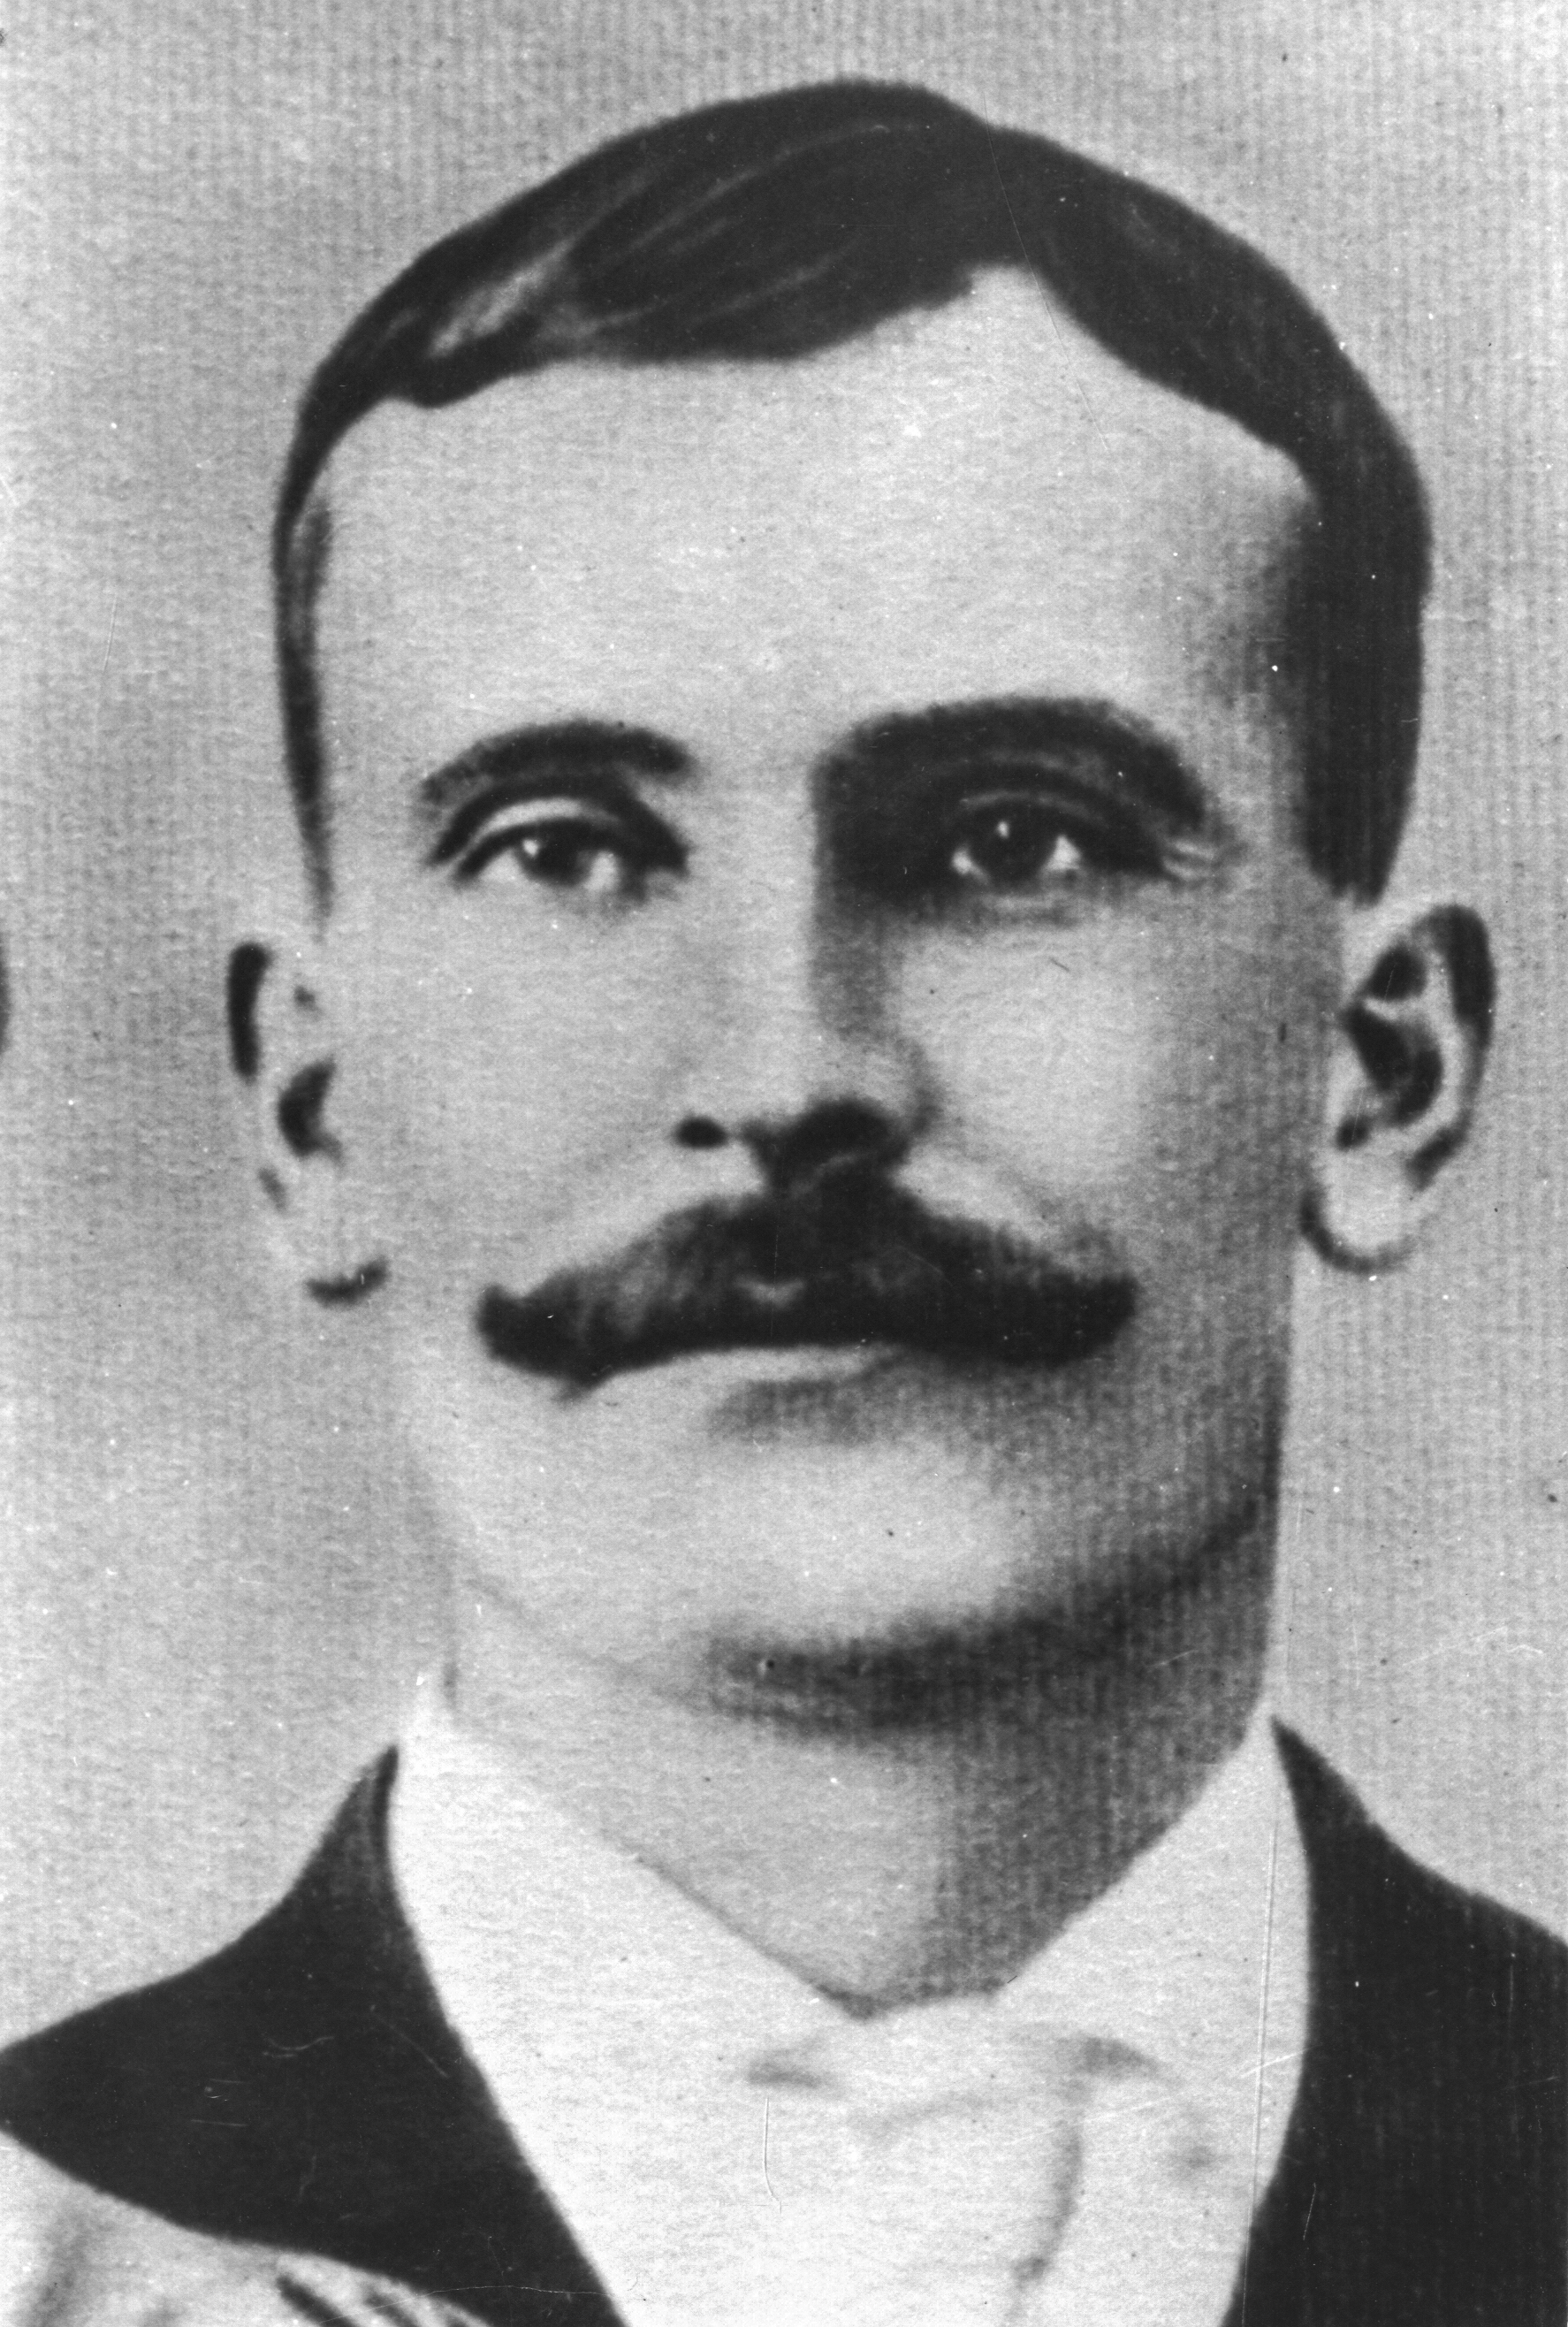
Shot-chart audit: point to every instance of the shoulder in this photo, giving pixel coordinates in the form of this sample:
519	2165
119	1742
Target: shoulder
301	2091
71	2256
1425	2176
146	2079
1461	1964
304	2072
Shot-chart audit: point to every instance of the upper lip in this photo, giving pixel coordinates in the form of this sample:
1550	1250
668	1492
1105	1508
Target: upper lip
854	1258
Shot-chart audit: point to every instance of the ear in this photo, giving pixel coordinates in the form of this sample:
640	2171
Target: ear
281	1049
1409	1050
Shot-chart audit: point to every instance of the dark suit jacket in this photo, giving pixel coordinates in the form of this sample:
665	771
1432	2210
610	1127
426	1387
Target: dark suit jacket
302	2089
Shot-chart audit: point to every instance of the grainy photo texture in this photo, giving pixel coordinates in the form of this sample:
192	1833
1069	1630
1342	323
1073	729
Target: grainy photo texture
783	1087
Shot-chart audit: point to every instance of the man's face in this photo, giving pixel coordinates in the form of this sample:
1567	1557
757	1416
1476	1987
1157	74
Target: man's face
843	808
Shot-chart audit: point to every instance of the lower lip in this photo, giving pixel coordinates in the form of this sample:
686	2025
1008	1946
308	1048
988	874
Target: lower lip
718	1373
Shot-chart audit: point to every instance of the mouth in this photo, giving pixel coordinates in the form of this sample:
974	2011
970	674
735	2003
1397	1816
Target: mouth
837	1291
792	1360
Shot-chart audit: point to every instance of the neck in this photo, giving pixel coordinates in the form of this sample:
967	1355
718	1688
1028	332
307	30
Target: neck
887	1853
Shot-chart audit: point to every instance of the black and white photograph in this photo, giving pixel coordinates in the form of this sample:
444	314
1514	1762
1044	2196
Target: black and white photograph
783	1099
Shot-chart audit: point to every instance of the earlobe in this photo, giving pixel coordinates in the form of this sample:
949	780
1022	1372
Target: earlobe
1406	1072
280	1044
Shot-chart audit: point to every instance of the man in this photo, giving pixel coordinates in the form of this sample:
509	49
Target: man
851	683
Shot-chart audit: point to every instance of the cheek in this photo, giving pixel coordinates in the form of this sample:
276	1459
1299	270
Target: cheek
493	1067
1156	1084
1045	1070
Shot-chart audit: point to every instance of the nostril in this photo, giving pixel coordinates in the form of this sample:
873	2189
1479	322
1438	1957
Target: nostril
823	1139
700	1131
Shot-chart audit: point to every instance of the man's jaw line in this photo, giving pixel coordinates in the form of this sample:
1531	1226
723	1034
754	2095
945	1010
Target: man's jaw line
929	1678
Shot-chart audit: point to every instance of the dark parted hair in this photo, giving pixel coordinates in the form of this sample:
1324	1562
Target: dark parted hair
775	226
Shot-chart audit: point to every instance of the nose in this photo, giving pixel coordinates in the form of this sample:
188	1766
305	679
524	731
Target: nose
793	1060
794	1152
791	1151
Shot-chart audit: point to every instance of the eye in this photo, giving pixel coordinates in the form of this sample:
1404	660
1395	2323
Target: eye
569	845
560	851
1013	842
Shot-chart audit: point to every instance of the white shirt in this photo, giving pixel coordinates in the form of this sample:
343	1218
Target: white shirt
616	2021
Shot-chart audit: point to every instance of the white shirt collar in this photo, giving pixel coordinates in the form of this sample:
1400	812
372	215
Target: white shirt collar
613	2018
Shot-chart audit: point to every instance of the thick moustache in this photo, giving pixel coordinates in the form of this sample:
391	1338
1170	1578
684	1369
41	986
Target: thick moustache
851	1259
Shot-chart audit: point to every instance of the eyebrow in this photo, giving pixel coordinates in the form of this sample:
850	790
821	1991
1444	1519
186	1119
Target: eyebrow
568	750
1094	744
1142	768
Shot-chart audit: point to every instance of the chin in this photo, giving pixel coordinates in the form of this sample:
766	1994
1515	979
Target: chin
880	1578
740	1573
915	1676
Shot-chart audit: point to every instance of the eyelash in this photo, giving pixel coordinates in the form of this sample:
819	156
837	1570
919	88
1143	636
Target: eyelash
1032	823
1035	828
642	844
876	858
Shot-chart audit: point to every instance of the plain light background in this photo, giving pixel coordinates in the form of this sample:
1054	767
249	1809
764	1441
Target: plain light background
211	1594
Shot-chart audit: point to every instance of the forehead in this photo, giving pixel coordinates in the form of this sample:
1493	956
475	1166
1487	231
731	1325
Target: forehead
979	502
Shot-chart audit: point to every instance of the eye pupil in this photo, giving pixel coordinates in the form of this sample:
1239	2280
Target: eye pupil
563	852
